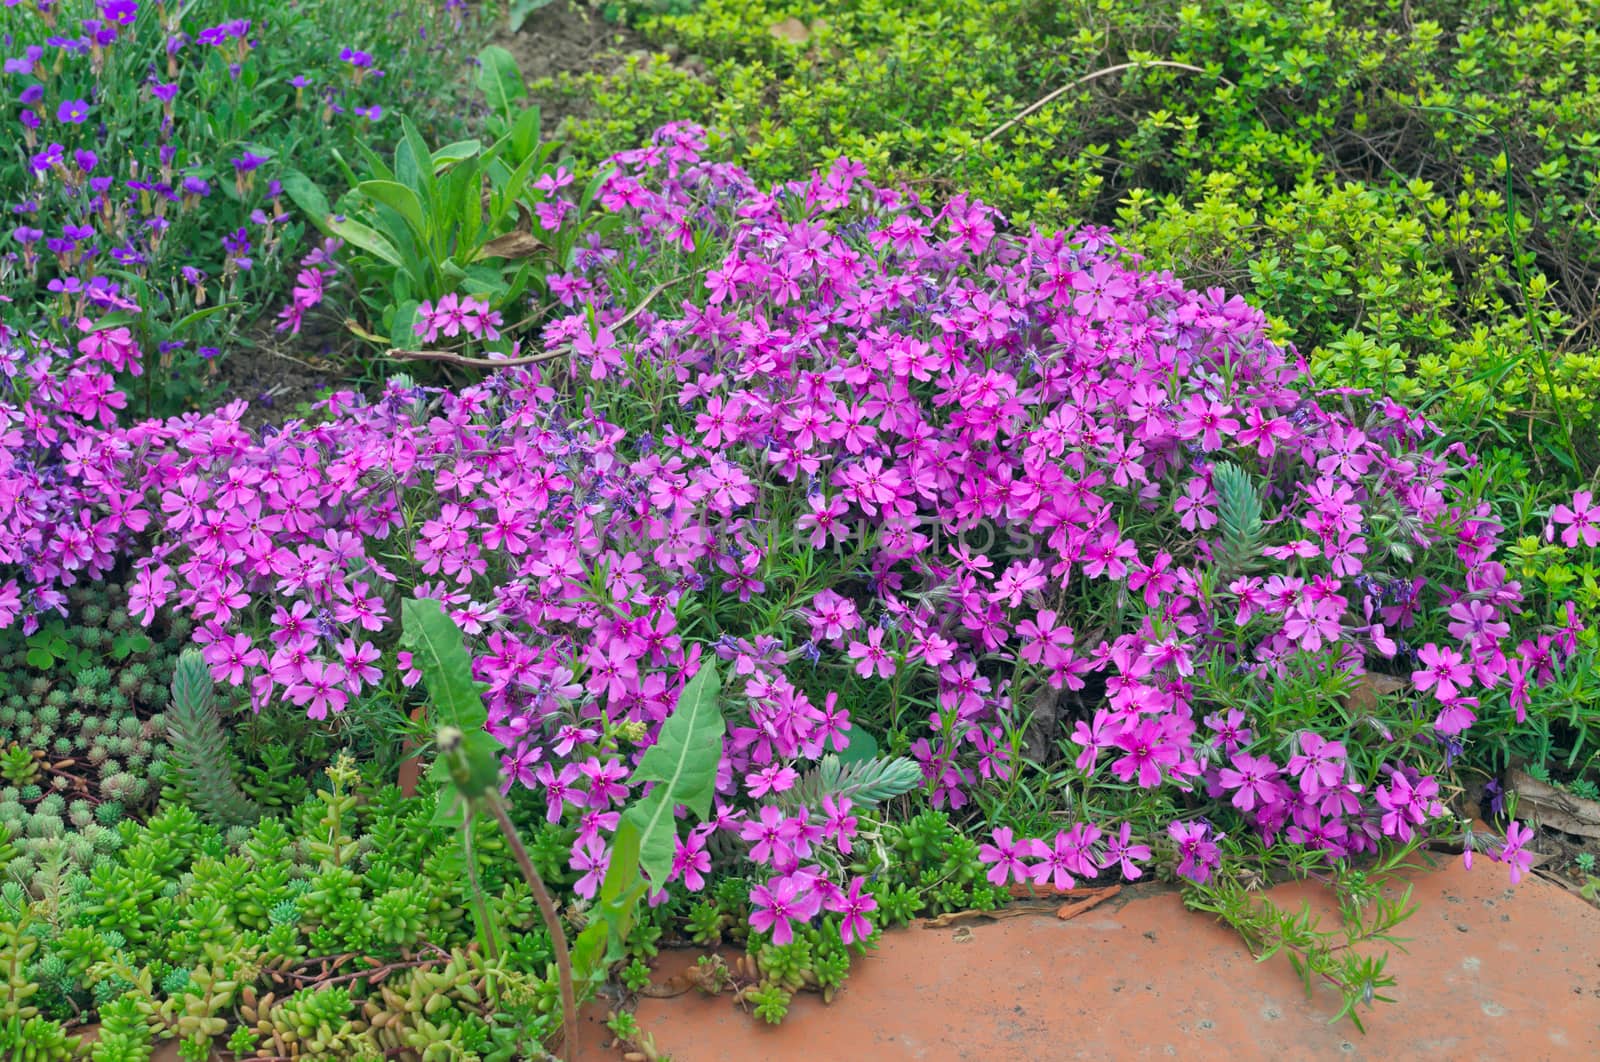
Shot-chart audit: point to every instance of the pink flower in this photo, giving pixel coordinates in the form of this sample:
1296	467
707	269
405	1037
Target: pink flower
854	906
320	689
1121	853
1319	764
1254	781
1444	671
1007	857
1513	853
779	902
872	656
1582	520
1198	854
590	856
690	861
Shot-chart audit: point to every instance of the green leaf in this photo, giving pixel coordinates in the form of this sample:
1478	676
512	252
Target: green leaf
451	154
369	240
199	315
861	746
419	149
519	12
612	917
401	200
439	651
683	763
42	659
402	327
500	80
304	193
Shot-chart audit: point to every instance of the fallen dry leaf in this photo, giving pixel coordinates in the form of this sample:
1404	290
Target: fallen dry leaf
1369	689
790	29
512	245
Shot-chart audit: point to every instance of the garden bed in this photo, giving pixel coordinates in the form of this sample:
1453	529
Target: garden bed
735	544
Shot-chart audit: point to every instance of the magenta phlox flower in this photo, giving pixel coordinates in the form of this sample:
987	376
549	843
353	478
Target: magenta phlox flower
1514	852
853	905
781	902
1006	856
1122	854
1320	763
1253	780
839	826
1198	854
592	860
1444	671
1579	522
1148	750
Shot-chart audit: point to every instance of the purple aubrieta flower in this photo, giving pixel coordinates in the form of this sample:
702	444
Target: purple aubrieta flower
164	92
29	119
193	275
26	235
77	232
70	45
31	95
47	160
196	186
355	57
372	114
86	160
248	161
121	12
300	81
26	62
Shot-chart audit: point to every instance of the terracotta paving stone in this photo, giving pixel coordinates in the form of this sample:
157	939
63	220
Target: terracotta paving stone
1489	973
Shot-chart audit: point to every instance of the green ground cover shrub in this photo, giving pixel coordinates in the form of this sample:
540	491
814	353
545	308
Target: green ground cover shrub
1409	190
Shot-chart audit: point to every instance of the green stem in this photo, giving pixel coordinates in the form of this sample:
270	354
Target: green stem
552	923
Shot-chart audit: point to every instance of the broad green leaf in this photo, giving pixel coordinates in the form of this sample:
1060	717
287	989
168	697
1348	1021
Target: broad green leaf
402	201
407	169
683	763
439	651
524	133
304	193
519	12
500	80
612	917
402	330
419	150
369	240
861	746
451	154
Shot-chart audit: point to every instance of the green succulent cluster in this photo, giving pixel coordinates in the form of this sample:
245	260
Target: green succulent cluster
82	737
340	930
1409	188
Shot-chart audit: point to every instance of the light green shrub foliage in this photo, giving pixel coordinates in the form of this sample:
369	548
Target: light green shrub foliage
1343	165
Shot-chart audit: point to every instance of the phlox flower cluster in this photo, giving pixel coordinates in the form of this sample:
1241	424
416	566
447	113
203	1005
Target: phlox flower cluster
860	376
